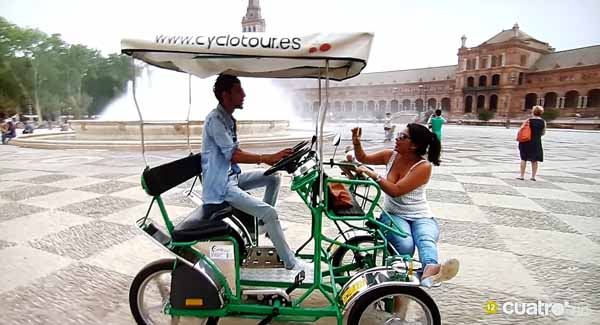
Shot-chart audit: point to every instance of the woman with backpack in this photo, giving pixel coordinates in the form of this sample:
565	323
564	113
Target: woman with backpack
532	150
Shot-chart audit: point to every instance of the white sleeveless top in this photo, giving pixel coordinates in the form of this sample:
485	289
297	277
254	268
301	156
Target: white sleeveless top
410	205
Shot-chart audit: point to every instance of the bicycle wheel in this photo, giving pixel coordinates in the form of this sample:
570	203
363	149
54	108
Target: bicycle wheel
394	304
363	260
150	291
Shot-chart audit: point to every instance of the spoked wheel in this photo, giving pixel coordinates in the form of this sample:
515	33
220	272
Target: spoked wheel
344	256
150	291
394	305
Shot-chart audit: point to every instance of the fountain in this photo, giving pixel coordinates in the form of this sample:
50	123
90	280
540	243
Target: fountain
163	98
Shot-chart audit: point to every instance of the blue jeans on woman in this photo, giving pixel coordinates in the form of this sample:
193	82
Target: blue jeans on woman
422	233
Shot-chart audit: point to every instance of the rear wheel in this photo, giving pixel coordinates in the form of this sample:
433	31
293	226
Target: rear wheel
394	304
150	292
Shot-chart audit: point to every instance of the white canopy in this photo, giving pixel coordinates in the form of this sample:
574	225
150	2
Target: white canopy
256	54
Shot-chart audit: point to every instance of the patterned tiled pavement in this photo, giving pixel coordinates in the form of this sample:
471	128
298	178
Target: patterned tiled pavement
69	250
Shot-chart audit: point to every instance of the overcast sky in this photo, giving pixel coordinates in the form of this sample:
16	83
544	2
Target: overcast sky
408	34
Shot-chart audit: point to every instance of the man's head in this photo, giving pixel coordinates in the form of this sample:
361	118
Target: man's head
438	112
228	91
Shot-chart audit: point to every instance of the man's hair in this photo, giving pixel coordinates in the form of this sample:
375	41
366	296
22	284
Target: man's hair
223	83
438	112
538	110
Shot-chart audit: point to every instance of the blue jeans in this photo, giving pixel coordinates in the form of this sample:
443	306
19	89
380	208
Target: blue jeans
422	233
264	210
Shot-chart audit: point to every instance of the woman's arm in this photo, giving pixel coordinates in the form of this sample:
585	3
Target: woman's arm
377	158
418	176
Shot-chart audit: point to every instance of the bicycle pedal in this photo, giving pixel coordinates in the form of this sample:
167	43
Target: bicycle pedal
262	258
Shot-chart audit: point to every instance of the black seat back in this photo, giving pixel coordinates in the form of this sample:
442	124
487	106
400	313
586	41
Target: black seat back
160	179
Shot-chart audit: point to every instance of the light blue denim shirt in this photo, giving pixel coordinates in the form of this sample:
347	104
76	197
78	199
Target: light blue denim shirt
219	142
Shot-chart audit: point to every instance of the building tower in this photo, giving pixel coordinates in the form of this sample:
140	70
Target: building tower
253	22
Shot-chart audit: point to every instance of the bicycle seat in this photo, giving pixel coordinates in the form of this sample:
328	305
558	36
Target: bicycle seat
206	223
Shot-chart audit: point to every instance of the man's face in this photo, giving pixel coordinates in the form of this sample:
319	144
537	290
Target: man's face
235	97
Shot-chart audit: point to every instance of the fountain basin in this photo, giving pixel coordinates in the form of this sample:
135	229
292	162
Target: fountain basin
94	134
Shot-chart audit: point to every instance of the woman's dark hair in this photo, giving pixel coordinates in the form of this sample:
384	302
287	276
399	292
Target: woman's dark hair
223	83
438	112
426	142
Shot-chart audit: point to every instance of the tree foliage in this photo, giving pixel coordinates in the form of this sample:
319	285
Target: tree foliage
55	77
485	115
550	114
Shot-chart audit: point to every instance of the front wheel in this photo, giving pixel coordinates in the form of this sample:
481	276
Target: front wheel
394	304
150	292
355	261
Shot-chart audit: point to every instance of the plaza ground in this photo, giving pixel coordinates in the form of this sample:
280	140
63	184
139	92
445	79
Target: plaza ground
69	248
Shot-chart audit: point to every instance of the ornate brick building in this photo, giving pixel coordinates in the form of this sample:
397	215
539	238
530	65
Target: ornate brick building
508	74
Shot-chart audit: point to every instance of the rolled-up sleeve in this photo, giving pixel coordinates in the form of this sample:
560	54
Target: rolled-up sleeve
217	130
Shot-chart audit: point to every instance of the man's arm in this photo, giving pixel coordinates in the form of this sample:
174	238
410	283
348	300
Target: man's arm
242	156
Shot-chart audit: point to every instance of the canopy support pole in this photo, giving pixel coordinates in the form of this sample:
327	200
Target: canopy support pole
188	113
137	107
323	117
319	110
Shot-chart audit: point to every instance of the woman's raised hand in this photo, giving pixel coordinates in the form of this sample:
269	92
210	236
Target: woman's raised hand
356	134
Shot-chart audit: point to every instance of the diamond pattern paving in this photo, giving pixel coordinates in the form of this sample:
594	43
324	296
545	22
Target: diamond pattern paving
69	248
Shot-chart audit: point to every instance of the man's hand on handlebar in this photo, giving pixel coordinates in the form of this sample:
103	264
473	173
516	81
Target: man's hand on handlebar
272	159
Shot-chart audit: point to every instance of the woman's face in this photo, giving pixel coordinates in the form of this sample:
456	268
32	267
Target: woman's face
403	143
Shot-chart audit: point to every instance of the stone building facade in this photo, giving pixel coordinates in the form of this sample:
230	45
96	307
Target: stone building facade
508	74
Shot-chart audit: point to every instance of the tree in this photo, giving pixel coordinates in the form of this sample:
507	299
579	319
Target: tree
54	76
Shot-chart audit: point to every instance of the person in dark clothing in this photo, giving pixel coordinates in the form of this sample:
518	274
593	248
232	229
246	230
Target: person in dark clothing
532	150
9	131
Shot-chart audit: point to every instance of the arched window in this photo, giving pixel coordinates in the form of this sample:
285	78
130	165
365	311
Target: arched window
348	106
419	105
468	104
394	104
382	106
431	103
482	81
530	100
496	80
360	107
445	104
550	100
406	104
571	98
593	98
480	102
371	106
470	82
494	102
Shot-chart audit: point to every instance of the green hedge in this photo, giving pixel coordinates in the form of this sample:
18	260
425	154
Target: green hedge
550	114
485	115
